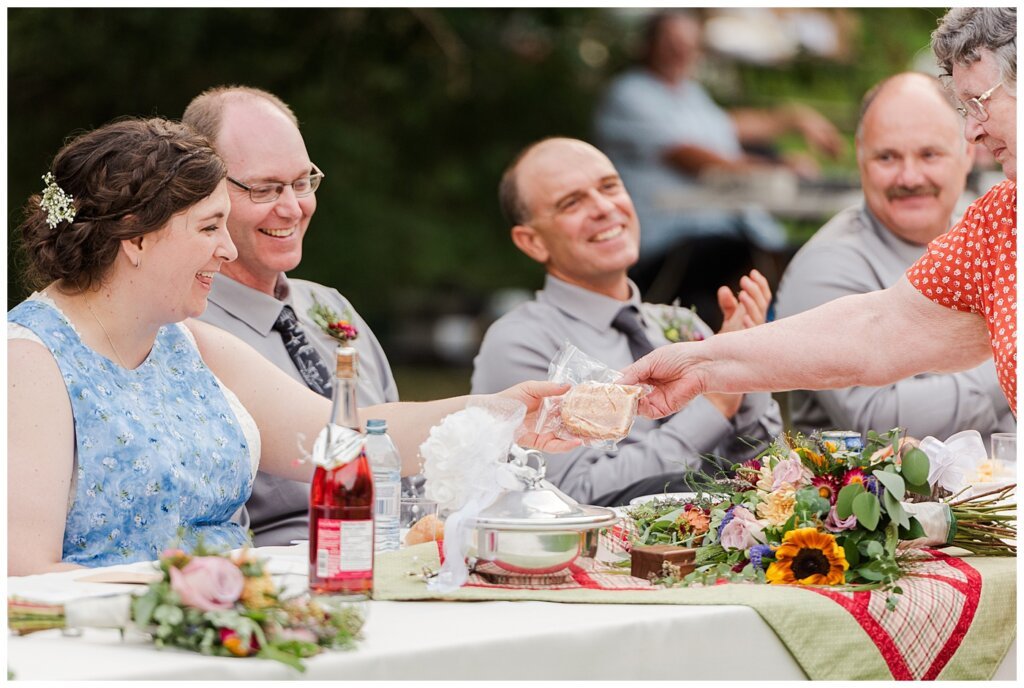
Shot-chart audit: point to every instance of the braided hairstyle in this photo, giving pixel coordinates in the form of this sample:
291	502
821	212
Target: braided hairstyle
127	178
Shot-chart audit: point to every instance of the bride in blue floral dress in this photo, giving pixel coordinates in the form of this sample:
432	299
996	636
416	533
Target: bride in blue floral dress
132	427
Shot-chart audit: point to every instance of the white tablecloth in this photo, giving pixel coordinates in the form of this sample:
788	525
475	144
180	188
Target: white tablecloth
446	641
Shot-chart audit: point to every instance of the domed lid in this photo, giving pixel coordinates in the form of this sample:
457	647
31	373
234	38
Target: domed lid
541	505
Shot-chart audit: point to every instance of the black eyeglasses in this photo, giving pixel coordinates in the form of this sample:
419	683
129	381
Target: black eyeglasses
975	106
268	193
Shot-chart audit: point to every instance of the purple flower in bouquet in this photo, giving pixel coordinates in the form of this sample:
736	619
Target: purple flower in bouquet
837	525
758	553
208	583
725	521
872	485
742	530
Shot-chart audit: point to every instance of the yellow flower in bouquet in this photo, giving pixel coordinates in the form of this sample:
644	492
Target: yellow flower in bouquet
812	456
778	506
258	592
808	557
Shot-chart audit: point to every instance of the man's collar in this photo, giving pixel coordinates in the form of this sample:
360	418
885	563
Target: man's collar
597	310
895	243
253	307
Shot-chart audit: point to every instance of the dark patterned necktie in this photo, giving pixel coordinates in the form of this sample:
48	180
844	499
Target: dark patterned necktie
307	360
628	322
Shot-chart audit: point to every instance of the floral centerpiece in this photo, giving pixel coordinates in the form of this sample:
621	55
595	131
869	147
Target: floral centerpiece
215	604
335	325
807	511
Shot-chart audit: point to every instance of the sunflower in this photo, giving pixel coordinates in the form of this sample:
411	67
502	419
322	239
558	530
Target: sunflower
807	557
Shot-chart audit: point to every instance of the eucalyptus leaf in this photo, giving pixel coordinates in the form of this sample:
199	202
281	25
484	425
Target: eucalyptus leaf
892	482
867	510
915	467
852	556
844	500
870	574
808	500
873	549
895	510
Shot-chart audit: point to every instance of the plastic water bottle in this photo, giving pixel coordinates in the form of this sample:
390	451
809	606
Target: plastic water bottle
387	484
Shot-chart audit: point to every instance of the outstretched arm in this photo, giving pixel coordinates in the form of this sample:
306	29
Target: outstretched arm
866	339
289	415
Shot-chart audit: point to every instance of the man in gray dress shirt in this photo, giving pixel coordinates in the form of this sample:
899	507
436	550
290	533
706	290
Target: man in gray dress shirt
258	137
913	162
571	213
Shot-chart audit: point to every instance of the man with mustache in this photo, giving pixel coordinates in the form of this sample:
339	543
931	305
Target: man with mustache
913	162
570	212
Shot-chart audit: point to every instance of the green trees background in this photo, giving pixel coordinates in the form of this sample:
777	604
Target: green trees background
412	113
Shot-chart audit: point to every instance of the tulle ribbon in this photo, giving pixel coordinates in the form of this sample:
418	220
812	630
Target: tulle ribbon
953	463
465	464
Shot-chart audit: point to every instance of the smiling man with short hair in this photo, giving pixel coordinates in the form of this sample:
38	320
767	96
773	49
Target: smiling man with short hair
570	212
273	184
913	162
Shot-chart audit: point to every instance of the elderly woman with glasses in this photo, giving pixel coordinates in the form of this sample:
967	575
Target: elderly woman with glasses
954	308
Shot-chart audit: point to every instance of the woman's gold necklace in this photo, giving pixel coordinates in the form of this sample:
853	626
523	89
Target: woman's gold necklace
107	335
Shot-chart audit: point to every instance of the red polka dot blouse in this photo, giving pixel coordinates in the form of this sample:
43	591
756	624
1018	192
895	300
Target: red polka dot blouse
973	267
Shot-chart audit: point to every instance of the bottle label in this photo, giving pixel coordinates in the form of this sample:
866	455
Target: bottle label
344	549
387	489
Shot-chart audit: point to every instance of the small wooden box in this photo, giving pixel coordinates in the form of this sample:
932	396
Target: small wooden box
647	560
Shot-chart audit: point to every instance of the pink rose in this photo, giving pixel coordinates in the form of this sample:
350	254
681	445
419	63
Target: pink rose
837	525
743	531
791	471
208	583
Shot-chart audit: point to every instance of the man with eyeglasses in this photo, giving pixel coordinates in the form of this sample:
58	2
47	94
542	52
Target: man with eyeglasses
273	183
953	309
569	211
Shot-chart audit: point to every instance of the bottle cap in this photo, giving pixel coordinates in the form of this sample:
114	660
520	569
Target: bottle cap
376	426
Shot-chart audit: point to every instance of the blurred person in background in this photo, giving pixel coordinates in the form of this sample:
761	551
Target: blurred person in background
952	310
272	183
913	162
570	212
663	131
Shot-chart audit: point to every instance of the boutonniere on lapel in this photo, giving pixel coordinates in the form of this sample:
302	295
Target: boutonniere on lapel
676	323
336	326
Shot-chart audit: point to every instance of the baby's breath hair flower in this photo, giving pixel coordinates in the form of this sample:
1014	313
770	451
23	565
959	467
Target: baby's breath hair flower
57	204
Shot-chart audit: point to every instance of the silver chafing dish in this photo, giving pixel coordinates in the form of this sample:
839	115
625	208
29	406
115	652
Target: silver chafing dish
538	529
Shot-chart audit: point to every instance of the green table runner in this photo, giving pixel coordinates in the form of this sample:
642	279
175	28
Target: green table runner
830	639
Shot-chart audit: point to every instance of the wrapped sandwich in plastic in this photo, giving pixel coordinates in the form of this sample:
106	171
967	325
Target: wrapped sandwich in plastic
596	409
